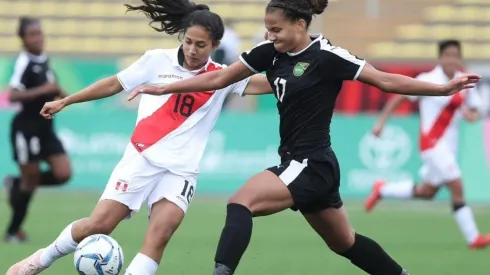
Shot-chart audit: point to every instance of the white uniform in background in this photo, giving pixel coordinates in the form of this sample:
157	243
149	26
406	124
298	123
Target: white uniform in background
439	120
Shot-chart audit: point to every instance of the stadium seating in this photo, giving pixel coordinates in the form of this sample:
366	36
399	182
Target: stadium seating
103	27
466	20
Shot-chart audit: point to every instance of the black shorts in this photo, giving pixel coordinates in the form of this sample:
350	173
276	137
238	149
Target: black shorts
33	139
314	184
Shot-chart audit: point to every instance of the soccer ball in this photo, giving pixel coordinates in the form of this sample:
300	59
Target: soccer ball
98	255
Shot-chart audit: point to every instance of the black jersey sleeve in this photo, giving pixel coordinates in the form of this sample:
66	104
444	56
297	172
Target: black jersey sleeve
17	78
340	64
260	58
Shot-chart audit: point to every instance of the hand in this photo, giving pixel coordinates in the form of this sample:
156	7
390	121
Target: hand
51	108
460	83
146	89
377	129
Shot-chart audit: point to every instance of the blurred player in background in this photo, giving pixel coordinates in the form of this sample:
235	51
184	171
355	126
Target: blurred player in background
161	164
439	118
33	138
306	73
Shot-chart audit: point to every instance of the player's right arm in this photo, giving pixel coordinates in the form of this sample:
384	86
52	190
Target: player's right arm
128	79
388	109
17	91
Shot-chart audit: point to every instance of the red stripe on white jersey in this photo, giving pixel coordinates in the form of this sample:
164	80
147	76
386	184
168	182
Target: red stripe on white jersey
170	116
430	138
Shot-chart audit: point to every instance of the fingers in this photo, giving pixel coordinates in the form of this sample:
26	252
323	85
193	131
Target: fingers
132	95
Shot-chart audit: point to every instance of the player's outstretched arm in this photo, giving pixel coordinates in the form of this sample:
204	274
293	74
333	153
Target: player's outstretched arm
388	109
205	82
258	85
400	84
31	94
100	89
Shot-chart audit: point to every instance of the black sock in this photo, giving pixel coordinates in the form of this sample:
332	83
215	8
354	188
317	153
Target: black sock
457	206
370	257
20	202
234	240
48	179
14	190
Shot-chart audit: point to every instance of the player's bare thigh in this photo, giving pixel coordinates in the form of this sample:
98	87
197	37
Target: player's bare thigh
333	227
263	194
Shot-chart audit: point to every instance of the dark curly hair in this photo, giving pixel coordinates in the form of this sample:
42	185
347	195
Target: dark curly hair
25	22
298	9
176	16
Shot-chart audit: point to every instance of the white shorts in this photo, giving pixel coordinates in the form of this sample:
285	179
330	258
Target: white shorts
440	165
134	180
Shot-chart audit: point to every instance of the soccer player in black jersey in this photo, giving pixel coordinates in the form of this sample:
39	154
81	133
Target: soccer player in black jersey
306	73
33	138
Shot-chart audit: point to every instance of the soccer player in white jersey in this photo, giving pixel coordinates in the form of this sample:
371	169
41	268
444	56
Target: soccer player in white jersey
439	117
160	165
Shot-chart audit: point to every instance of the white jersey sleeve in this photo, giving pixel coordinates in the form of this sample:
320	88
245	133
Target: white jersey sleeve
137	73
239	87
474	99
19	70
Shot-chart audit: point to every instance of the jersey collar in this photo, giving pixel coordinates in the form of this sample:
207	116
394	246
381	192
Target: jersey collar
315	37
36	58
179	62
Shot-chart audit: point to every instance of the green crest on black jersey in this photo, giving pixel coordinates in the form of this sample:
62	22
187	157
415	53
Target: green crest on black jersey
300	68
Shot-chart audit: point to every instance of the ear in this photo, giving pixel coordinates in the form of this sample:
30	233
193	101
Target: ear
302	24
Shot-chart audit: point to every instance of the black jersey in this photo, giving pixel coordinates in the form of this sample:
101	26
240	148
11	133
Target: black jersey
32	71
306	85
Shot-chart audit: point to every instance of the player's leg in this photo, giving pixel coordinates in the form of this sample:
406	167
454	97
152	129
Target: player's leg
129	185
59	162
168	203
103	220
54	154
333	227
26	150
263	194
407	190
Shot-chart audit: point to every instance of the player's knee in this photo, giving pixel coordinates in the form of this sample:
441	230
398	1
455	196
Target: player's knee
99	225
159	236
425	192
340	245
63	176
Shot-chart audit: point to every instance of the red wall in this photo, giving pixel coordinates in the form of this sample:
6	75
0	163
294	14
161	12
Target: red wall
358	97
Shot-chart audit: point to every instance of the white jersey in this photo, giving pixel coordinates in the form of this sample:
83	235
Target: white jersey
440	115
172	130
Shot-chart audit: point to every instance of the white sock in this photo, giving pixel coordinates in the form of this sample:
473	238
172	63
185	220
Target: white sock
399	190
142	265
62	246
466	223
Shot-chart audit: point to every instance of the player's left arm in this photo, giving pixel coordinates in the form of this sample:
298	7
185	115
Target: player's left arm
258	85
341	65
400	84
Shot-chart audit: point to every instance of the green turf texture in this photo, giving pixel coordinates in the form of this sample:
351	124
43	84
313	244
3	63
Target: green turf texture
422	237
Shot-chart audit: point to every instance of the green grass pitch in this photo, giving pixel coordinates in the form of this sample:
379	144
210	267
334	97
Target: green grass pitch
421	236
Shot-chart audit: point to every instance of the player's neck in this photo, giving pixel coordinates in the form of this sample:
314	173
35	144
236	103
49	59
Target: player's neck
305	42
192	68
